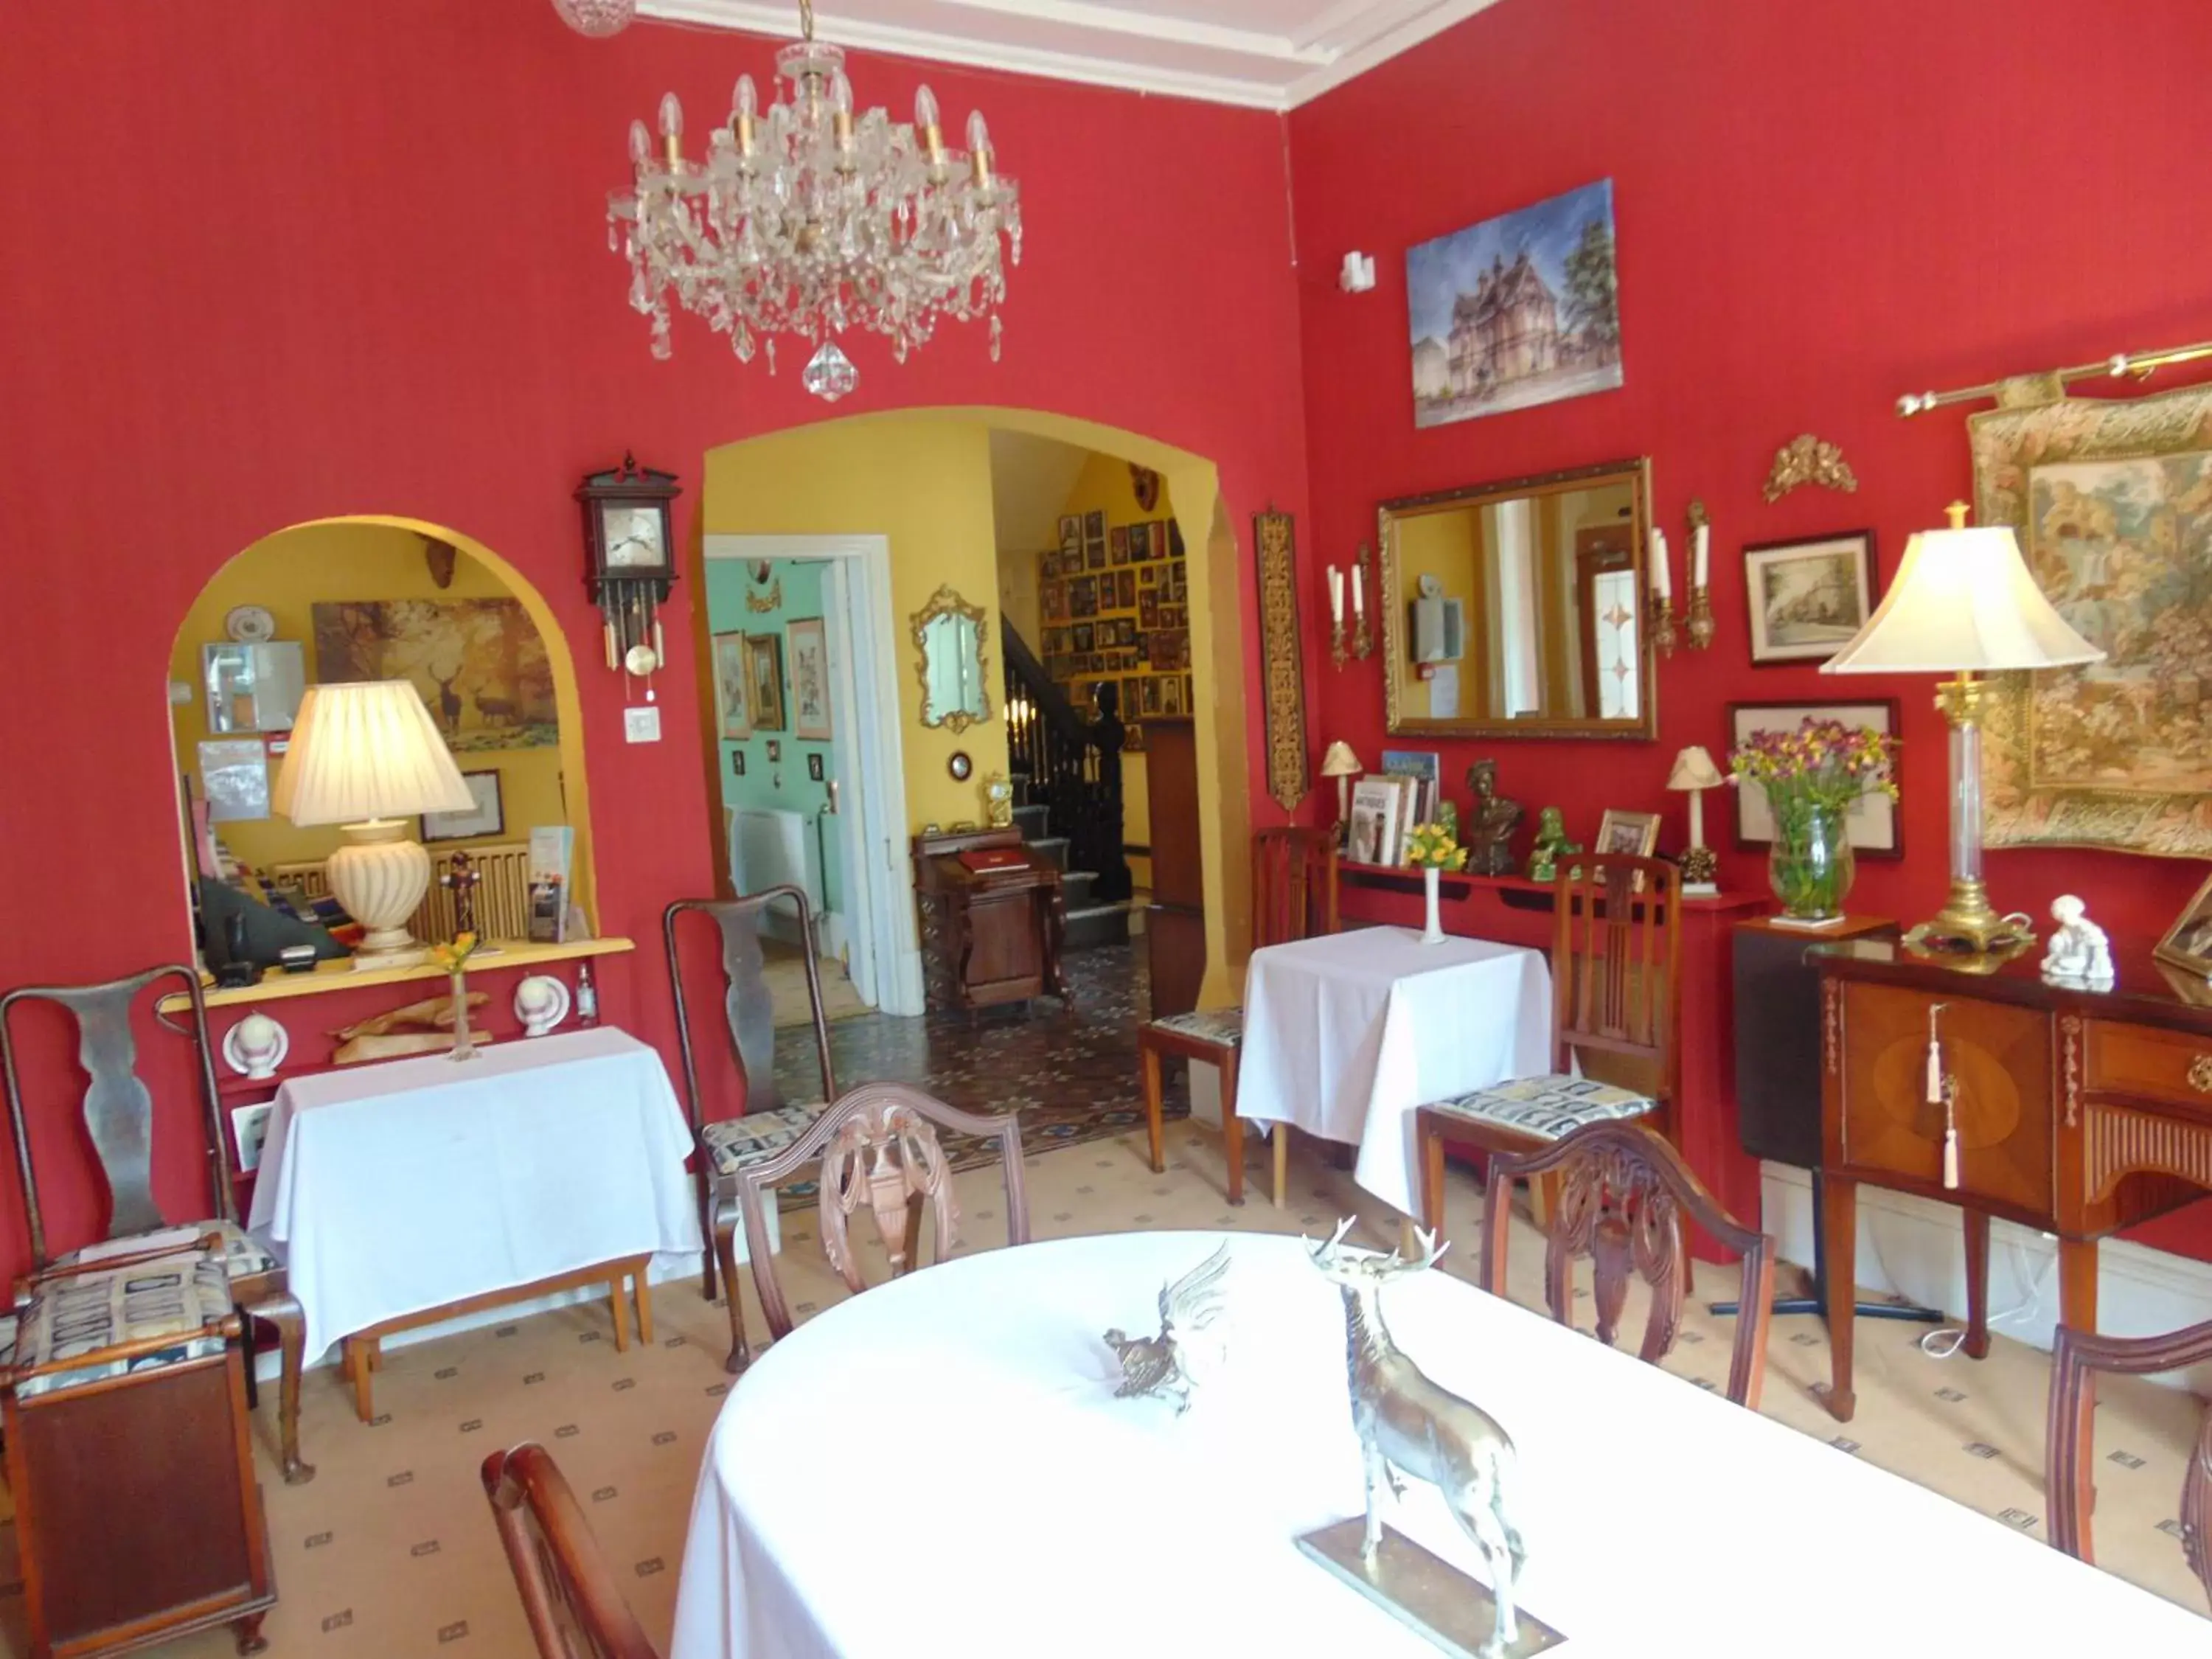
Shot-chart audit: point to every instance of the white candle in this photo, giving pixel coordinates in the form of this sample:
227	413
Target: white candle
1700	545
1662	585
1359	595
1335	594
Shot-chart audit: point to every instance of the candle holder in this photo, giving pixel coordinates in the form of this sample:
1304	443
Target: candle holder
1362	637
1664	636
1699	620
1337	655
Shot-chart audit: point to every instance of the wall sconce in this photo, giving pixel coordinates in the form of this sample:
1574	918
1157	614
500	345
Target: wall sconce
1662	594
1700	618
1363	638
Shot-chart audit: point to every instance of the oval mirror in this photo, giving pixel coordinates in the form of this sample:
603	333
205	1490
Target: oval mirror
948	632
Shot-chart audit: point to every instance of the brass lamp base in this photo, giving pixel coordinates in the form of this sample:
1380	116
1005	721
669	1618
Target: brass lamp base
1967	923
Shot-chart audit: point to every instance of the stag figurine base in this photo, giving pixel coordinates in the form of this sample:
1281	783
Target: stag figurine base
1424	1592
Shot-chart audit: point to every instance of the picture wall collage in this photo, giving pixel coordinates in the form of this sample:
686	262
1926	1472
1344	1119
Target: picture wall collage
1115	606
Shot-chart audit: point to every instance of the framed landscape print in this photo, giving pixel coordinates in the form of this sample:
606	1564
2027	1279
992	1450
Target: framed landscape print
1872	824
810	680
732	696
1806	600
2112	502
485	818
765	680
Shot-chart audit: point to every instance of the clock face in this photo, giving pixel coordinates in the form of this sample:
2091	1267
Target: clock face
632	537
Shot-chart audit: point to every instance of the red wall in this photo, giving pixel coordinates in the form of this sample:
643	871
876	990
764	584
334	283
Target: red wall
1819	206
274	261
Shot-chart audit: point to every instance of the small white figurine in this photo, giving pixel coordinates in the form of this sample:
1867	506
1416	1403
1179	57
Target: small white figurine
541	1002
2079	953
255	1047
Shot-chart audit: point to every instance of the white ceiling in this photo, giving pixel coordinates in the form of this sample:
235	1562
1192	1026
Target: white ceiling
1270	54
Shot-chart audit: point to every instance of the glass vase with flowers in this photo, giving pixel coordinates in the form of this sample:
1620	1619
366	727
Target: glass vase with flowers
1433	848
1812	777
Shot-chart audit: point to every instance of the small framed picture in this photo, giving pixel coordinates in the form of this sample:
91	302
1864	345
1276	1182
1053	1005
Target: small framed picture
1125	589
485	818
249	1128
1806	600
732	680
1071	532
1094	554
1118	541
1635	834
1148	610
1049	566
737	762
1174	539
764	679
1142	538
2188	943
1094	525
814	767
774	751
1172	694
1148	576
1872	824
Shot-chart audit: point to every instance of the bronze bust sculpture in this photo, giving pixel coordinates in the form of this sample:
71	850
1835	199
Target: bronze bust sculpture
1494	819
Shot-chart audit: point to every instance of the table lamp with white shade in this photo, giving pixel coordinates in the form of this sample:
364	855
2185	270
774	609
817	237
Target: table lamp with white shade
1340	764
1694	773
1964	602
364	756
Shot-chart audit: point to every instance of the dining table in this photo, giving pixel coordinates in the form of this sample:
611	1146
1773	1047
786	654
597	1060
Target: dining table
942	1465
1348	1034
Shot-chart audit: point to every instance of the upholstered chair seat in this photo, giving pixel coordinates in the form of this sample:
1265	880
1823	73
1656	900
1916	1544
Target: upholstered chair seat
244	1256
1548	1107
1224	1027
735	1142
92	1312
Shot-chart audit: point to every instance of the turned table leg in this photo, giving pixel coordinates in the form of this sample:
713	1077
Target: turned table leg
1840	1203
1976	1344
2077	1310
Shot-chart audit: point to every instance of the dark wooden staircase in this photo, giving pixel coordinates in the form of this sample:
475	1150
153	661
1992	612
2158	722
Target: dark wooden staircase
1065	768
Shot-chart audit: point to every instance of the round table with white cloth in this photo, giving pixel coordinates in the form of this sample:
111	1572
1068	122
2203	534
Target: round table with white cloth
939	1466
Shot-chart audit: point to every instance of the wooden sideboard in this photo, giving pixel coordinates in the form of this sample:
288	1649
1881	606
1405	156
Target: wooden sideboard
2076	1112
990	936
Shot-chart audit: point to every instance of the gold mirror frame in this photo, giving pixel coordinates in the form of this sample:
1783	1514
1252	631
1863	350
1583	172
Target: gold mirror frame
946	602
1644	728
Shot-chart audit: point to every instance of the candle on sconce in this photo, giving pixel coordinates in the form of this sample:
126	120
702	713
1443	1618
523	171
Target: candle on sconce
1701	546
1662	583
1358	593
1335	594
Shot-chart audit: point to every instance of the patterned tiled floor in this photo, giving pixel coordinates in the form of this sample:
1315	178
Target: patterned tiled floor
390	1552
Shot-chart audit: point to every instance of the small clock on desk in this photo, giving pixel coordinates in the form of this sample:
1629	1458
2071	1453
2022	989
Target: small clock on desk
629	560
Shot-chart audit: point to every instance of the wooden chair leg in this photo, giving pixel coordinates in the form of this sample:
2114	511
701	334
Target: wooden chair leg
285	1313
1282	1138
911	1245
1544	1200
642	1293
1148	1058
1232	1129
617	1299
726	1254
1432	1179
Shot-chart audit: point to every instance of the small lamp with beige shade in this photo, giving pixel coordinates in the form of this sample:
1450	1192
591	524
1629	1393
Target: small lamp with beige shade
1340	764
1964	602
365	755
1694	773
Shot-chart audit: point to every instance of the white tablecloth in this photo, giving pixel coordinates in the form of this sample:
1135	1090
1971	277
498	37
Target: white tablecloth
403	1186
939	1467
1345	1034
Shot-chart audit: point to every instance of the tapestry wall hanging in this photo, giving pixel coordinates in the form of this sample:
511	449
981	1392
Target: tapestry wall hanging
1280	677
2112	504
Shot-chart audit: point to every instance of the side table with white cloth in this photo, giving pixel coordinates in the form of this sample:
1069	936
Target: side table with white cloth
1348	1034
405	1191
1661	1519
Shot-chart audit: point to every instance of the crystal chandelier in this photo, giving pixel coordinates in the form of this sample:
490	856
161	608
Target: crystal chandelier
807	219
597	18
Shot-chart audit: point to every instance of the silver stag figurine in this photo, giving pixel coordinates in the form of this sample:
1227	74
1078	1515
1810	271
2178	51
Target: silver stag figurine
1407	1422
1158	1365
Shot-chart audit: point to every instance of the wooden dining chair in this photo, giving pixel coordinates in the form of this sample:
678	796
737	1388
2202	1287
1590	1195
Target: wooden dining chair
727	1146
1616	959
2075	1357
1621	1193
118	1113
878	1148
1294	896
573	1601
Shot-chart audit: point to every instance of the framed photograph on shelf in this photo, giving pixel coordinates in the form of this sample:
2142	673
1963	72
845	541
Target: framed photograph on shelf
1874	828
2188	943
249	1128
486	817
1805	600
764	679
810	680
1635	834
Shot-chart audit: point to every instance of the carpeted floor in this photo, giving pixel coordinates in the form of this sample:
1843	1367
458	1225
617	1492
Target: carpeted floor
785	970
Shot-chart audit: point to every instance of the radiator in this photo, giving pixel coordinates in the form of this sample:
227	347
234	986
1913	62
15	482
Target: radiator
770	846
502	891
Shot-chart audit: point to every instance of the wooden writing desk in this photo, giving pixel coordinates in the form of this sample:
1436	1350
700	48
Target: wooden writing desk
2078	1112
991	936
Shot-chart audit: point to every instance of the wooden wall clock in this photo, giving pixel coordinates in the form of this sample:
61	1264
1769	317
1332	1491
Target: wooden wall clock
629	560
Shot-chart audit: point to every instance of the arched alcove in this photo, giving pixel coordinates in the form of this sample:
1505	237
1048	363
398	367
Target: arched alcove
381	596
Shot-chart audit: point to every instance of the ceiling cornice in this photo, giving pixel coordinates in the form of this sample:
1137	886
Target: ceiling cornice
1108	45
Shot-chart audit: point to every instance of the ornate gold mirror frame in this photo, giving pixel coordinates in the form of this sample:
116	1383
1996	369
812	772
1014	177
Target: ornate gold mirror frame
1391	516
1280	676
947	602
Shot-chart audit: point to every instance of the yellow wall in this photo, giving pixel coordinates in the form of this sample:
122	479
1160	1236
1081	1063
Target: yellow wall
923	483
1445	545
288	573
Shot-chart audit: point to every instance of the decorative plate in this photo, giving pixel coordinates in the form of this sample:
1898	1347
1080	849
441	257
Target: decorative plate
250	624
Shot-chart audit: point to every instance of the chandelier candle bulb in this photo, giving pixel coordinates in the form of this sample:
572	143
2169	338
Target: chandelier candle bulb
925	123
979	148
671	128
745	107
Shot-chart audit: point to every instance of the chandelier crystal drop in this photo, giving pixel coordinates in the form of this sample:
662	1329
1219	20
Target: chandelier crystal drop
808	219
597	18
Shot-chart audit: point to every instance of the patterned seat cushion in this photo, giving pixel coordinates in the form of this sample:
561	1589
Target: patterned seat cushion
1222	1026
243	1255
88	1315
1548	1107
735	1142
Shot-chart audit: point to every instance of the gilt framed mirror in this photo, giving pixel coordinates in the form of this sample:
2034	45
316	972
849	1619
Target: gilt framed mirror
1517	609
948	633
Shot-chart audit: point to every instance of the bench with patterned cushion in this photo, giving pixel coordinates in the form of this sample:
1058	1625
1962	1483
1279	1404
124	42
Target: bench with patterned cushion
735	1142
1222	1027
85	1314
244	1256
1547	1108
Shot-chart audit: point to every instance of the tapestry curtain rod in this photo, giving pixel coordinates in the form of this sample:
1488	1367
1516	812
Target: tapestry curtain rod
2140	364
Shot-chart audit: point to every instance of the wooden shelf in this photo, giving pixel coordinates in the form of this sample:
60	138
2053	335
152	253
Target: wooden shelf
1518	892
340	975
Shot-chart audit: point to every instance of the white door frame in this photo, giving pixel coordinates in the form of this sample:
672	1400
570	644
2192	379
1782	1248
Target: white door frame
861	631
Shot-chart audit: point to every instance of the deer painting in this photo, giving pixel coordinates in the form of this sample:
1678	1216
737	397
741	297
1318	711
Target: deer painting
1408	1424
496	711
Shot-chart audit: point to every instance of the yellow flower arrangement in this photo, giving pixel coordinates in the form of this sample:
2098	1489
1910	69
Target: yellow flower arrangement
455	956
1433	846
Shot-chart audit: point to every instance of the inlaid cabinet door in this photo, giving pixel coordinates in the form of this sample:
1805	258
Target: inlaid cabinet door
1997	1059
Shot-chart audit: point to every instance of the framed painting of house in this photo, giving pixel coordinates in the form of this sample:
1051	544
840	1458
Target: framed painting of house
1805	600
1517	311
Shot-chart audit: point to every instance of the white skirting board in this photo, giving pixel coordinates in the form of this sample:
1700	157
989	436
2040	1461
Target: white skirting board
681	1268
1916	1248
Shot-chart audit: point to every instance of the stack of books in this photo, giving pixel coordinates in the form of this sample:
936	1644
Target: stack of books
1386	805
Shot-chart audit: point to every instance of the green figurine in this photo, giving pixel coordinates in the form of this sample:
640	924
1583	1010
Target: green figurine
1550	842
